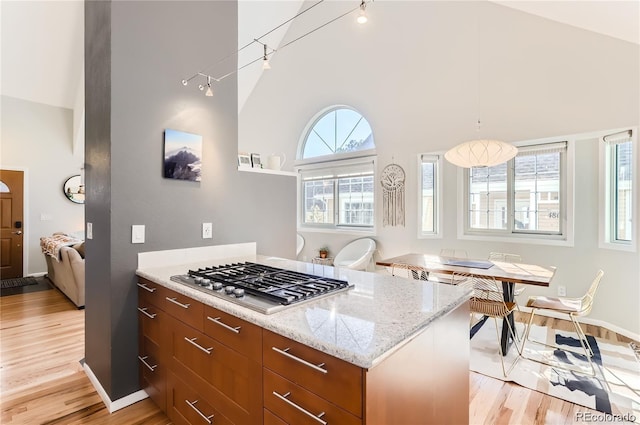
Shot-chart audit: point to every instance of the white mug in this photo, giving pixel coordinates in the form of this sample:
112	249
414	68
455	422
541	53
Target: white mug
275	162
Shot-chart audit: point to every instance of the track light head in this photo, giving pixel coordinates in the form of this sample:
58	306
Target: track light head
265	59
362	15
185	82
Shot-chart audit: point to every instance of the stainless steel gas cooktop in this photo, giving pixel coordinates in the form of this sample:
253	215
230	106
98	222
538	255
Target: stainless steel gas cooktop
262	288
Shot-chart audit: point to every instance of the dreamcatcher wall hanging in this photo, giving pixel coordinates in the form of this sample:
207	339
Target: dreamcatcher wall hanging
392	181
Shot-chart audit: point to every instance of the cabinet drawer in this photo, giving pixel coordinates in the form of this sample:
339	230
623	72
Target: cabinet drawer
150	292
186	406
231	382
296	405
152	372
152	321
183	308
331	378
242	336
271	419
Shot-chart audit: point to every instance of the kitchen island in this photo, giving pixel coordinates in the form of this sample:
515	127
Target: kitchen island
387	351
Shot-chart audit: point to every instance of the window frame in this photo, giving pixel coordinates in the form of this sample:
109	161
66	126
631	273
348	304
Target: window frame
567	172
437	159
335	227
607	197
343	159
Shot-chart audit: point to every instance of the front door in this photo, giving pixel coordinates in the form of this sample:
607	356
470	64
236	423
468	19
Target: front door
11	223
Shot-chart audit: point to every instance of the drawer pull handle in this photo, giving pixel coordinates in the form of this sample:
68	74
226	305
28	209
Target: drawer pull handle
302	409
192	404
173	300
191	341
298	359
143	286
224	325
144	361
144	311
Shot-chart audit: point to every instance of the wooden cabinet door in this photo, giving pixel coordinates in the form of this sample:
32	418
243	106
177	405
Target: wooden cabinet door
297	406
329	377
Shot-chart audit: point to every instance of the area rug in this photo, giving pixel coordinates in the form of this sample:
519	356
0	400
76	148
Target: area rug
16	282
615	390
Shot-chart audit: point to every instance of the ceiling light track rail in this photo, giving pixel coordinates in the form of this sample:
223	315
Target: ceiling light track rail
207	78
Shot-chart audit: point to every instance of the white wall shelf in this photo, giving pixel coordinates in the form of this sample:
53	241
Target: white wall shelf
268	171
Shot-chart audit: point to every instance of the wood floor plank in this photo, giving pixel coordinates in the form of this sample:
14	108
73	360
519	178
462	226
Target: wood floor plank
42	380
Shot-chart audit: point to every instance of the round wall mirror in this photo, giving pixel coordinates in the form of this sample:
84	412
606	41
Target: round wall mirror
74	189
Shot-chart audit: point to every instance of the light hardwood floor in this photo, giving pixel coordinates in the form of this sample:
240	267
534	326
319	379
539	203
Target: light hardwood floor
42	380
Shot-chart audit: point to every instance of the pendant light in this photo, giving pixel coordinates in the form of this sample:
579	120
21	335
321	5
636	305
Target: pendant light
480	152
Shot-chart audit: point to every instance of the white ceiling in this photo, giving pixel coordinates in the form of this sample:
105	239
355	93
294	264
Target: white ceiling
42	41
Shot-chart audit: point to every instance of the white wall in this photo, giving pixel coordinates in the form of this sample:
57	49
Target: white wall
38	138
418	71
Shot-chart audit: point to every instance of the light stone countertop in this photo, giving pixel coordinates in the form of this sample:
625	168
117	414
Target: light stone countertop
361	326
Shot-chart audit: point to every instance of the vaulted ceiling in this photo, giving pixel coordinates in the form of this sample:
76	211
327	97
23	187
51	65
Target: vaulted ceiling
42	41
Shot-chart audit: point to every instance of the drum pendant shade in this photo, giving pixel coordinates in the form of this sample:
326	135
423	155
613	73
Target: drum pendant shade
481	153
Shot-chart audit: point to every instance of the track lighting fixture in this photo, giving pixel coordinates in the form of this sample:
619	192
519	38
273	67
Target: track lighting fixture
362	15
209	92
265	59
362	18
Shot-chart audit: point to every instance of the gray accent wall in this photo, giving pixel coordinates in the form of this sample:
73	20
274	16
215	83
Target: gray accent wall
136	55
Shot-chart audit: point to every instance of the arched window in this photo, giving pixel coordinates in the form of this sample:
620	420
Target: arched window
337	178
4	188
338	130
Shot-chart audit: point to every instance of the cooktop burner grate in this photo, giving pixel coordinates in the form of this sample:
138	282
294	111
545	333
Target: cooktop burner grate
243	283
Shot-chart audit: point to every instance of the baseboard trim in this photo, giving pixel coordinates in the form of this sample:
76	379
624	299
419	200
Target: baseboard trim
37	274
118	404
587	321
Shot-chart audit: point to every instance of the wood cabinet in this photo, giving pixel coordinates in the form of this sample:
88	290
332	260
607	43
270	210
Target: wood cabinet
202	366
332	379
197	361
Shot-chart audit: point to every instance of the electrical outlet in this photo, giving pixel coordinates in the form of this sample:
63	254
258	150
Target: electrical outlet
562	291
89	230
207	230
137	233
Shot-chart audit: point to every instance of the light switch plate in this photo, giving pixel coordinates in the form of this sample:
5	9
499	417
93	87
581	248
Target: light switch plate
89	230
562	291
137	233
207	230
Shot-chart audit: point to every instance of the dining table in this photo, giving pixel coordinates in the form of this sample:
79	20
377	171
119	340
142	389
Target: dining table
507	273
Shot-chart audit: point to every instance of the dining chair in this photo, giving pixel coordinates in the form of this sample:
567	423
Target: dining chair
409	271
508	258
487	301
573	307
453	253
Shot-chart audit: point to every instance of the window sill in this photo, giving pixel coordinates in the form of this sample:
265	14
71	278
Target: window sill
516	238
369	232
268	171
617	246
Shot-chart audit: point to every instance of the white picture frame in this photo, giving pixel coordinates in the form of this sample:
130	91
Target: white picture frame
244	160
255	160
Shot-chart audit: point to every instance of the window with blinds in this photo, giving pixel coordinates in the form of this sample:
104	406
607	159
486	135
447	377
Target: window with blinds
523	195
619	182
339	194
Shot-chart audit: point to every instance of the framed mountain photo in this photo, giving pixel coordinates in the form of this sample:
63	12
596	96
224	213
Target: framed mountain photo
182	155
